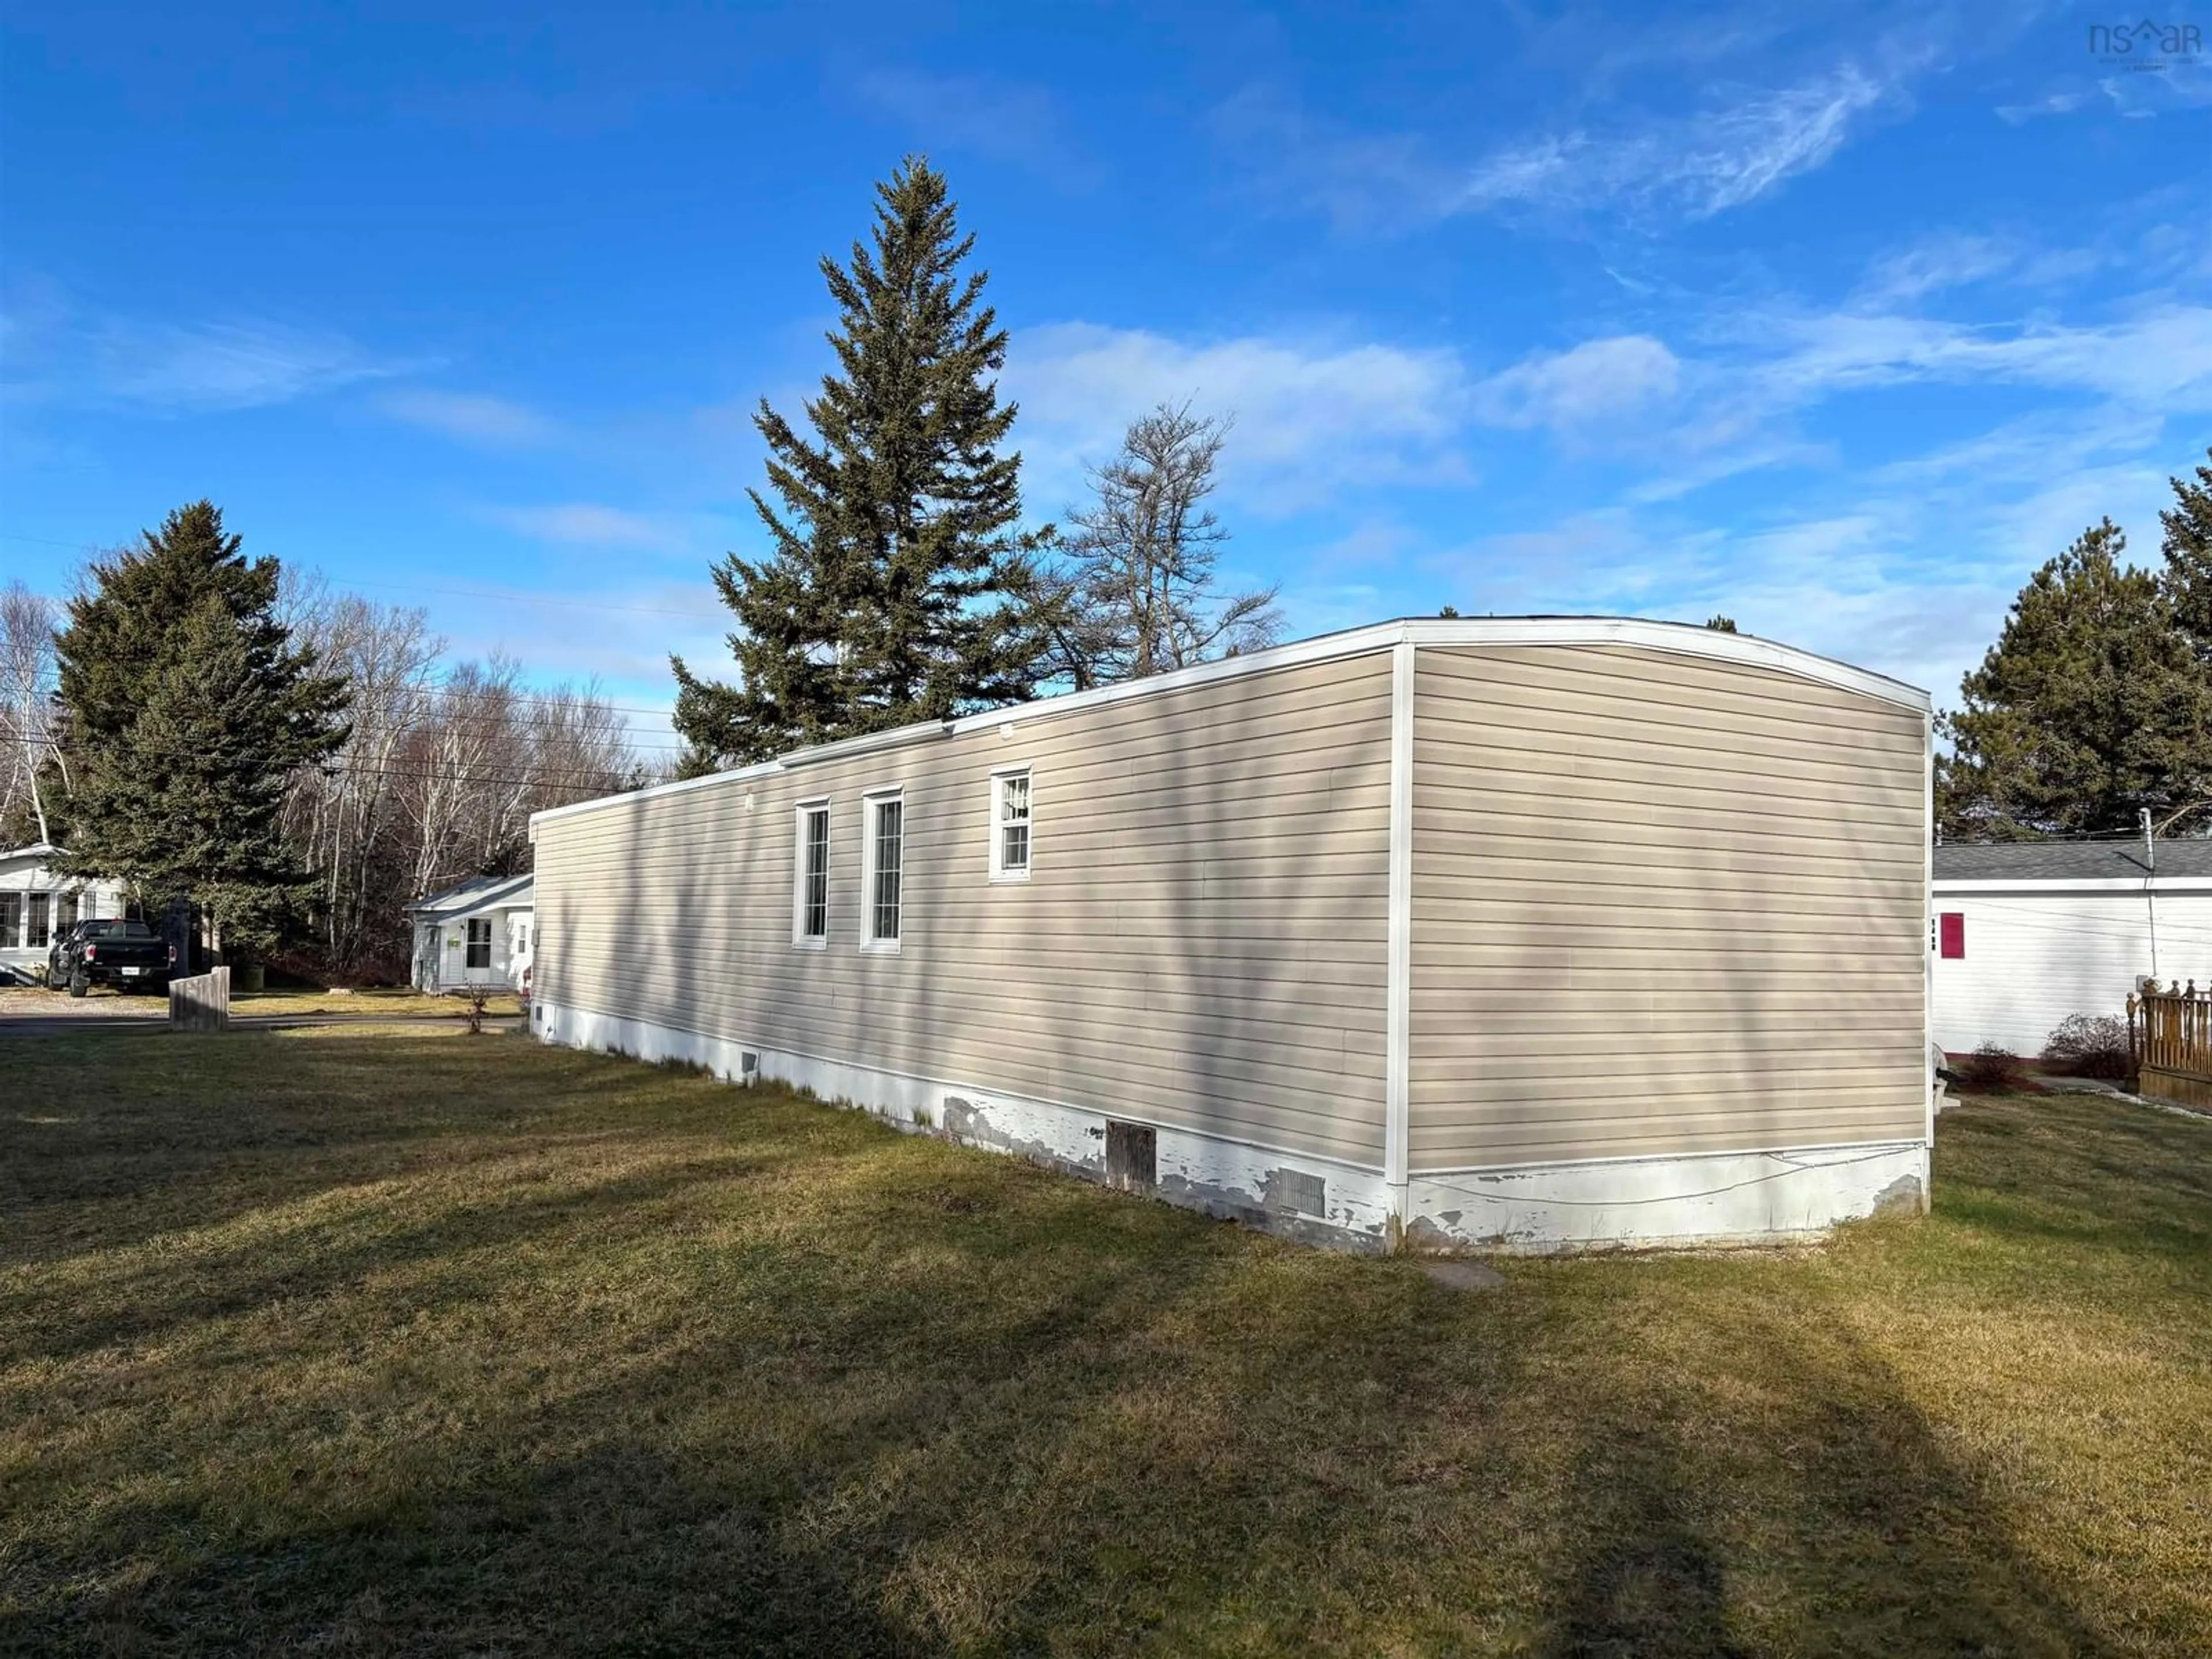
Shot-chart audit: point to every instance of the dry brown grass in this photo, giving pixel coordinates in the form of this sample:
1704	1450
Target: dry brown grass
375	1343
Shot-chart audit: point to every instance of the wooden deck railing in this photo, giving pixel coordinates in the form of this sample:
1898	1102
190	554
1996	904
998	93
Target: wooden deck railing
2170	1039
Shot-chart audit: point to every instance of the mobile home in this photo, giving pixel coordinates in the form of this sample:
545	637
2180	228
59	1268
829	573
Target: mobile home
1510	932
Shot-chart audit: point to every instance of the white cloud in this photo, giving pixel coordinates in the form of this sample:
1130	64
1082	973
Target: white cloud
1945	261
1701	165
216	367
589	524
228	365
2161	353
473	418
1570	389
1309	417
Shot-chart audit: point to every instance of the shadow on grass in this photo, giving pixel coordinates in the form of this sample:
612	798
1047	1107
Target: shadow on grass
950	1403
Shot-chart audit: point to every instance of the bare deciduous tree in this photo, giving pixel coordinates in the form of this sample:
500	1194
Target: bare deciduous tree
28	672
440	774
1134	593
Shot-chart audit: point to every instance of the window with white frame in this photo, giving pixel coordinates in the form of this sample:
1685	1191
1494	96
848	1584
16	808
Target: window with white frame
810	879
1009	824
11	920
886	844
479	954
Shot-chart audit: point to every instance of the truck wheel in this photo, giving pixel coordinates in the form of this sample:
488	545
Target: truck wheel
79	984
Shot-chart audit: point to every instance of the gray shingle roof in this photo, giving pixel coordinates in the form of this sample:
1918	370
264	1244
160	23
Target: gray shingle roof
477	891
2072	860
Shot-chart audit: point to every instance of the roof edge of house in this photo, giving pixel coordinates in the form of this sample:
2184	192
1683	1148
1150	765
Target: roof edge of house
1687	638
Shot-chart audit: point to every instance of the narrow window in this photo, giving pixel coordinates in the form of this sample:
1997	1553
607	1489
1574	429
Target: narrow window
34	934
479	942
1009	825
809	889
1954	935
11	920
64	913
886	838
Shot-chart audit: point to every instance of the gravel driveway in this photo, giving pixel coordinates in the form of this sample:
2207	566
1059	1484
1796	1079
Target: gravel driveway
18	1001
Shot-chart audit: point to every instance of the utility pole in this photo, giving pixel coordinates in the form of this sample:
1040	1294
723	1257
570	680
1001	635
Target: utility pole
2150	887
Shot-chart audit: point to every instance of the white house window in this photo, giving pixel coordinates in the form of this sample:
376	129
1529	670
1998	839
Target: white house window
34	934
886	837
11	920
810	885
1009	825
479	942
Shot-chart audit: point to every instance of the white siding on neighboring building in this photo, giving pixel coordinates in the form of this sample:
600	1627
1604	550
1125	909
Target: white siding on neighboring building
36	902
2039	951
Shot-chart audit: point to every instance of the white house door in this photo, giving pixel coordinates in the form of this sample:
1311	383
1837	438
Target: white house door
518	948
477	963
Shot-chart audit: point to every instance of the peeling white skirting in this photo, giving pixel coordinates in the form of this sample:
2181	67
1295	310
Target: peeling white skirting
1689	1199
1729	1197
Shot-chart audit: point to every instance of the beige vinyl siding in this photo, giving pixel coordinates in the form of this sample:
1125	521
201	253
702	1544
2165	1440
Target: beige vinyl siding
1661	904
1200	941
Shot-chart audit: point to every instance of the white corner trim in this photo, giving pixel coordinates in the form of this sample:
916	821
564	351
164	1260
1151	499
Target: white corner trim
1928	1081
1397	1001
1684	639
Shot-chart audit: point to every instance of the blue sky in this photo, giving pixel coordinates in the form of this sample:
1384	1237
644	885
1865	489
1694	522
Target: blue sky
1838	319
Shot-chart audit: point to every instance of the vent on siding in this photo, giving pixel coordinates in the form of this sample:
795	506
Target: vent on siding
1294	1190
1132	1156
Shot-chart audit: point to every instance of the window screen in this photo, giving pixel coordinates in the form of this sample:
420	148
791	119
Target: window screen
1010	852
886	830
812	920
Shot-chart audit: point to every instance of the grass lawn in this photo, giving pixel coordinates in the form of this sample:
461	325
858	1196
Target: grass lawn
360	1341
400	1001
105	999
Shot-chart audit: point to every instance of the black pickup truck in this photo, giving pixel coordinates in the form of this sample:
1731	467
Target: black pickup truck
126	954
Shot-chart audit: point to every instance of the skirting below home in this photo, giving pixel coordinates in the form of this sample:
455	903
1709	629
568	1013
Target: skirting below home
1698	1198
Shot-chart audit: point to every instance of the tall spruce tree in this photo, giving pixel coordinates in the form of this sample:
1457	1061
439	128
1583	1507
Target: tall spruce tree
2089	707
186	710
2188	549
890	591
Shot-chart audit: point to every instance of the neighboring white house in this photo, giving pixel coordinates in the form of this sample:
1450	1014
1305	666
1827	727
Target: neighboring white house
2025	935
37	901
478	932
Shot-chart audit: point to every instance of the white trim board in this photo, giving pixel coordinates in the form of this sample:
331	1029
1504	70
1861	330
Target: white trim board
2059	886
1682	639
1397	1001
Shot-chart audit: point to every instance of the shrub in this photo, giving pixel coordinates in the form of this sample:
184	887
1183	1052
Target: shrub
1990	1070
2089	1045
